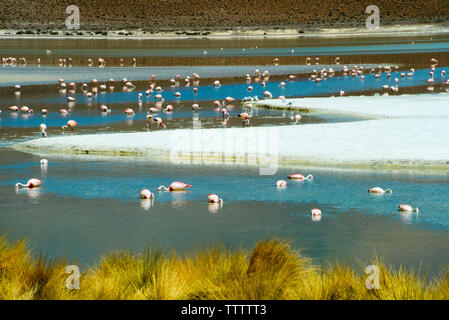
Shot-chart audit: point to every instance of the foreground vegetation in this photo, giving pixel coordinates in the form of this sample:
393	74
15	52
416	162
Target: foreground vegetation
271	270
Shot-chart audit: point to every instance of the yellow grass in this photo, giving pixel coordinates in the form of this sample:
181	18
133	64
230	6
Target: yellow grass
270	270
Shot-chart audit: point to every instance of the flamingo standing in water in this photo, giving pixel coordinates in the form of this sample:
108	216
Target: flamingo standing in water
245	117
315	212
175	186
43	128
169	108
213	198
129	112
44	162
70	124
146	194
32	183
159	122
298	176
281	183
297	118
407	208
379	190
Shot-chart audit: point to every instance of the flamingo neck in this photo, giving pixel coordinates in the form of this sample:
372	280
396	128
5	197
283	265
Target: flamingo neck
163	188
20	185
388	191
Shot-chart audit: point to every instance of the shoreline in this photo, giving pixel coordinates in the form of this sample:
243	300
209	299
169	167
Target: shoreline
238	33
406	134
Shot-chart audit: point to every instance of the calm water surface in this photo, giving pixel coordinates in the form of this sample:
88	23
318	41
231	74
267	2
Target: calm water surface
88	206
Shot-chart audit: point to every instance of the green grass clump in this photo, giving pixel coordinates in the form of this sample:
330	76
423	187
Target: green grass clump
270	270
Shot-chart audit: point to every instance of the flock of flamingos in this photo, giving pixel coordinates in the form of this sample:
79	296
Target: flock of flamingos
151	119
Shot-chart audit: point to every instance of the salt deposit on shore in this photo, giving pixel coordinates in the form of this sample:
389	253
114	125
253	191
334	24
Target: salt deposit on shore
248	33
407	132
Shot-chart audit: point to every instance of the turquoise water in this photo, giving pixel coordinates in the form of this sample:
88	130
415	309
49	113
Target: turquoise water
88	206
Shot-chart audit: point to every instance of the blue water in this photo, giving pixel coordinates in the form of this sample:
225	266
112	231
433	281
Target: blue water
88	206
372	47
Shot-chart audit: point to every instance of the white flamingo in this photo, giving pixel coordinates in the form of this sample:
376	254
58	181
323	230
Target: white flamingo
32	183
146	194
379	190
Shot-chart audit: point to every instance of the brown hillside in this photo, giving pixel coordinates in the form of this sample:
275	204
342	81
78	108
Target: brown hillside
170	15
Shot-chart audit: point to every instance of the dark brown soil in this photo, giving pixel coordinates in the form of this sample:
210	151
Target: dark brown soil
204	15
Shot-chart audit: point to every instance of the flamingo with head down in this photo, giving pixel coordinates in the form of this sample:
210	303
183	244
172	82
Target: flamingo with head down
379	190
146	194
281	183
407	208
213	198
32	183
175	186
298	176
70	124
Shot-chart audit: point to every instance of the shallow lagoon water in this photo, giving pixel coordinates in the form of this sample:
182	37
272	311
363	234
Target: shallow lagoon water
85	201
88	206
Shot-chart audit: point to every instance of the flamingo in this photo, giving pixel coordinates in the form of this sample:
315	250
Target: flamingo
213	198
379	190
63	111
70	99
146	194
104	108
148	119
154	110
169	108
43	128
177	94
245	117
407	208
159	122
175	186
70	124
195	107
44	162
297	118
32	183
13	108
298	176
315	212
281	183
129	112
25	109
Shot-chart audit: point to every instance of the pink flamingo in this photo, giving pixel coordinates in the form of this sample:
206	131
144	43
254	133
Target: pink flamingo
159	122
32	183
245	117
379	190
70	124
213	198
146	194
315	212
169	108
175	186
13	108
407	208
129	112
298	176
